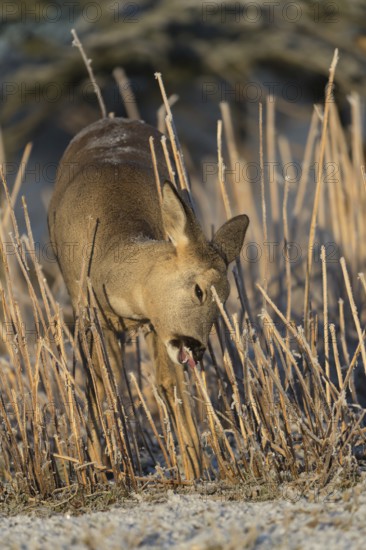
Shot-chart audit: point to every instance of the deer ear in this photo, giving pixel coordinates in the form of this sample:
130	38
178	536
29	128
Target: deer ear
229	239
174	215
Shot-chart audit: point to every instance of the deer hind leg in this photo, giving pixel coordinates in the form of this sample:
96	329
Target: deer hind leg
173	389
96	392
95	397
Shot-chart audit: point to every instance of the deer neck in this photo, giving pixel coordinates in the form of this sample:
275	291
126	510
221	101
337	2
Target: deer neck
133	274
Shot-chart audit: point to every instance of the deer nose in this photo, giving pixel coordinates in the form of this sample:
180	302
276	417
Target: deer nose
198	353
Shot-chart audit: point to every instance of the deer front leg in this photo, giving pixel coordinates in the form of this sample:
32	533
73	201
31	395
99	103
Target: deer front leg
173	389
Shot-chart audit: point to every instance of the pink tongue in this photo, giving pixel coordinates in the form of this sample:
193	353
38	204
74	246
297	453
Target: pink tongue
185	357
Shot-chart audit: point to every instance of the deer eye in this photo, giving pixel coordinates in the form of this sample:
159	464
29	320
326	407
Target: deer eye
198	292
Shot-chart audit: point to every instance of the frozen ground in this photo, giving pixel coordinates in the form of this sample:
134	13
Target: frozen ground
199	522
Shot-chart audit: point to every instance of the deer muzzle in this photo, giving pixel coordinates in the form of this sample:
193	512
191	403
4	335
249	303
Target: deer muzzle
188	350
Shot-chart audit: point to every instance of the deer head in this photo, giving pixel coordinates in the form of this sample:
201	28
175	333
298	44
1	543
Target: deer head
177	297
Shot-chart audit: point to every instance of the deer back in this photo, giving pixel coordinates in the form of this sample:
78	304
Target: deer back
105	194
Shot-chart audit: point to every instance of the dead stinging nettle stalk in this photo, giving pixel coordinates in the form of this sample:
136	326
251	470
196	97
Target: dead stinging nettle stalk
276	396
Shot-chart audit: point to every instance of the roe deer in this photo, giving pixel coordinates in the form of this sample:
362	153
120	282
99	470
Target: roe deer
151	263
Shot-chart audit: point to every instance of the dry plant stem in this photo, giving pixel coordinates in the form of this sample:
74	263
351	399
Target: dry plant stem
287	257
353	430
339	152
234	161
2	152
301	341
342	325
347	194
319	374
168	434
271	158
325	319
229	135
179	424
183	182
110	386
328	99
336	355
17	184
221	170
40	276
74	419
306	165
239	348
151	421
331	189
168	161
216	428
16	455
161	114
126	92
110	433
64	380
222	392
321	208
8	272
76	42
357	141
361	277
81	301
236	395
224	315
60	455
9	262
242	292
348	378
283	421
359	174
24	349
95	456
156	172
139	431
263	199
183	177
354	311
36	307
11	213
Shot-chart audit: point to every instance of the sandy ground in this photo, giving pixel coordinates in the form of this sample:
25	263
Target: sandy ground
199	522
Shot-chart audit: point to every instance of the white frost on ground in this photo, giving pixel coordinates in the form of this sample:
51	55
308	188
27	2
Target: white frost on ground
197	523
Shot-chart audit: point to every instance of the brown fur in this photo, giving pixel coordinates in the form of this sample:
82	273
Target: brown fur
138	276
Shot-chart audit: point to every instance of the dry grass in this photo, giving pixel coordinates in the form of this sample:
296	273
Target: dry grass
277	397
